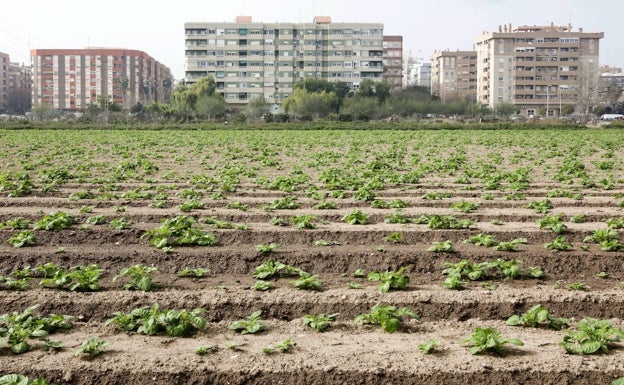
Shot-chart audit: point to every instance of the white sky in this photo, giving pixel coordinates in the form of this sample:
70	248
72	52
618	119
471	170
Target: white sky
157	26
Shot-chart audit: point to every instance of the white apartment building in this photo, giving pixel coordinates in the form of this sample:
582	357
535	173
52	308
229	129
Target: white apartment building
250	60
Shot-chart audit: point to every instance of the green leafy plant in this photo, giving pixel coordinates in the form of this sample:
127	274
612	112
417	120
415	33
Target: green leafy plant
192	272
390	280
95	220
304	221
591	336
540	207
576	286
203	350
154	320
482	239
21	239
322	242
395	238
57	220
17	223
261	286
398	217
429	346
18	379
191	205
326	205
307	281
237	205
179	231
559	244
442	247
356	217
510	245
140	277
78	278
17	328
120	223
388	317
602	235
273	268
553	223
288	202
251	325
319	322
537	316
284	347
488	340
464	206
267	248
93	347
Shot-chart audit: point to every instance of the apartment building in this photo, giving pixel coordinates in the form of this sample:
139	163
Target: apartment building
393	61
539	68
71	79
454	75
250	60
4	87
19	88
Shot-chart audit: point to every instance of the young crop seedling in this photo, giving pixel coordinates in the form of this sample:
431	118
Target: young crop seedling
390	280
602	235
284	347
429	346
482	239
251	325
304	221
261	286
307	281
464	206
553	223
192	205
120	224
488	340
17	223
274	269
510	245
17	328
540	207
203	350
179	231
18	379
442	247
95	220
152	320
237	205
356	217
398	217
198	272
92	347
289	202
140	277
21	239
537	316
559	244
591	336
395	238
55	221
267	248
388	317
322	242
319	322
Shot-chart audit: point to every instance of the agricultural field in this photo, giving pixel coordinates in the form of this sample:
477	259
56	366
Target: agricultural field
317	257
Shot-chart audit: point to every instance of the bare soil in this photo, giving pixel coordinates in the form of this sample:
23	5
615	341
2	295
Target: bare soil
347	353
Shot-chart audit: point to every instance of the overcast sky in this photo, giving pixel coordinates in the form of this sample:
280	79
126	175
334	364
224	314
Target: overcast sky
157	26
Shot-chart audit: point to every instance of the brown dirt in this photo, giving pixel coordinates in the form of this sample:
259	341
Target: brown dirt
348	353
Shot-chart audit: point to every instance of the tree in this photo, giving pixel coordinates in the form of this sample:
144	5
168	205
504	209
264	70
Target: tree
208	107
45	112
504	110
361	108
256	108
311	104
567	109
19	102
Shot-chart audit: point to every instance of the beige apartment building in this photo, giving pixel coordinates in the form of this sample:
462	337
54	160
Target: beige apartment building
250	60
454	75
71	79
539	68
393	61
4	80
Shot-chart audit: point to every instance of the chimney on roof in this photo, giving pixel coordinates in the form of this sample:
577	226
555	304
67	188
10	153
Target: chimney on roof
500	28
322	19
509	28
243	19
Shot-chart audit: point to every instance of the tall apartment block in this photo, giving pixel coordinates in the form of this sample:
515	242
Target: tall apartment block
454	75
538	68
393	61
71	79
4	86
250	60
20	88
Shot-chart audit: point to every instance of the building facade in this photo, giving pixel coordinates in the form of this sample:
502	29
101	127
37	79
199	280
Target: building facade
416	71
19	88
454	75
539	68
393	61
71	79
251	60
4	80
